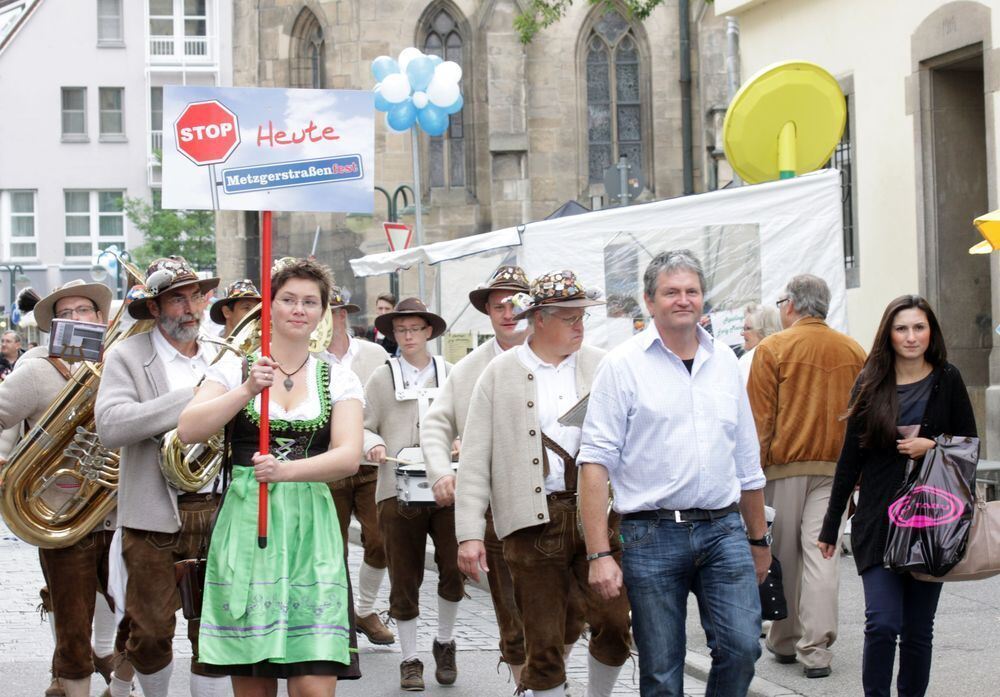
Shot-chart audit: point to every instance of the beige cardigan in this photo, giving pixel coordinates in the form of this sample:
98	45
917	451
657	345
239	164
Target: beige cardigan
390	423
446	418
501	460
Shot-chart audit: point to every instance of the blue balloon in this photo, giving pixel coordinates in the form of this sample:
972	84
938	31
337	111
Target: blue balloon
453	108
436	60
433	120
382	66
380	102
402	115
419	71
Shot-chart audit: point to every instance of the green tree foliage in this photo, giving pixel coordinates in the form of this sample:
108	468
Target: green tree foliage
544	13
191	234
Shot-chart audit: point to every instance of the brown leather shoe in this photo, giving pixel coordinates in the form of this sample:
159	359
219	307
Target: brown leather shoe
373	628
411	675
444	658
55	689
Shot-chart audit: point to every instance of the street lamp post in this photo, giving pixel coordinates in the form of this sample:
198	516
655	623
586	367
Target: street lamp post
99	271
16	271
392	209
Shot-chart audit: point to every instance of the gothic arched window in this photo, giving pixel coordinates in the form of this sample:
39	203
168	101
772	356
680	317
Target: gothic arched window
446	153
614	105
306	53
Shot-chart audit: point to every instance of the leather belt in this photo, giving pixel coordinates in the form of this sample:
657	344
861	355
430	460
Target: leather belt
690	515
196	498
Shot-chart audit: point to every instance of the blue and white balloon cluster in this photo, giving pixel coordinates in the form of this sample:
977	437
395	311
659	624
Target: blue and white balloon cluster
417	88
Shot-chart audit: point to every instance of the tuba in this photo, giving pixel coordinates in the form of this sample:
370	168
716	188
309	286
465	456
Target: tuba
63	446
191	467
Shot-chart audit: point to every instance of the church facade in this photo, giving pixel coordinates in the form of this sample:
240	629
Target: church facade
541	122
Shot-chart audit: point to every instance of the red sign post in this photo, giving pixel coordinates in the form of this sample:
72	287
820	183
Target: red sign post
207	133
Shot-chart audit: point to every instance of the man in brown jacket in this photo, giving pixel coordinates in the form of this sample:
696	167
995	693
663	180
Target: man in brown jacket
800	383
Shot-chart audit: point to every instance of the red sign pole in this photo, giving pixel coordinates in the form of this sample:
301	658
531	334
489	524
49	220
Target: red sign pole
265	350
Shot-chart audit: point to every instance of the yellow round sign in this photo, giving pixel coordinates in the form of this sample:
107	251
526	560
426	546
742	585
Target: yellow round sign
786	120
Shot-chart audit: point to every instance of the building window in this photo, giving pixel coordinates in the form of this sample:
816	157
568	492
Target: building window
307	52
109	23
156	121
21	241
614	105
446	153
843	160
112	117
74	113
195	28
94	221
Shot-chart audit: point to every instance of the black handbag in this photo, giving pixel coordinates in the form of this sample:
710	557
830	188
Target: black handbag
773	605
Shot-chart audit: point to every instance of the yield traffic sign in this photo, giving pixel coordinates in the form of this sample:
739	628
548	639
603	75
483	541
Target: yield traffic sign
399	236
207	132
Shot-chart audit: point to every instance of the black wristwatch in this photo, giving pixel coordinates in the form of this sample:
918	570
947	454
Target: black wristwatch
762	542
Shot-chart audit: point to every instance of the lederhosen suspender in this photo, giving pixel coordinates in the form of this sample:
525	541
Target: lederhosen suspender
423	395
569	461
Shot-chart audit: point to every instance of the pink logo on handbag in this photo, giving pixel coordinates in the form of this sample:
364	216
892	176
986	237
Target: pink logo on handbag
925	507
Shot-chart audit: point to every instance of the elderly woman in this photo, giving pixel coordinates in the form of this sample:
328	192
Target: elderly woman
759	322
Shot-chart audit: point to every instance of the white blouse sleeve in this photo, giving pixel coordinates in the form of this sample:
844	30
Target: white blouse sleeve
344	384
228	371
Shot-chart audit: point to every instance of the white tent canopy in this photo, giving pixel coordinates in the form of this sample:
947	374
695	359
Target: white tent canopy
751	240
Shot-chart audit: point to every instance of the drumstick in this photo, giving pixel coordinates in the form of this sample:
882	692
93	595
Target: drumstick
393	459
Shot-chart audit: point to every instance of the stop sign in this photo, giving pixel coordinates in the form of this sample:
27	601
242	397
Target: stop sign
207	132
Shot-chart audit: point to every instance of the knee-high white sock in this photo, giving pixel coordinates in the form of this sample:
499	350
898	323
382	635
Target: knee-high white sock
369	581
600	678
447	612
567	650
407	638
204	686
105	628
52	626
554	692
119	687
156	684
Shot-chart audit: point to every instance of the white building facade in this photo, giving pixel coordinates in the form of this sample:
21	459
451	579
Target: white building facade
81	124
922	79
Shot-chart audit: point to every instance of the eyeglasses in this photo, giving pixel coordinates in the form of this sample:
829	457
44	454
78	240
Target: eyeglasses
82	311
180	300
290	303
781	302
407	331
573	321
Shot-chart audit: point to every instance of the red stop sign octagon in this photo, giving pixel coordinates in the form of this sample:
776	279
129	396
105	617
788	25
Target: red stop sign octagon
207	132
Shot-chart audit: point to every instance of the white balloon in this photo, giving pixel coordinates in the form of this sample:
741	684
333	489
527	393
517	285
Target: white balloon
442	93
420	99
449	71
395	88
406	55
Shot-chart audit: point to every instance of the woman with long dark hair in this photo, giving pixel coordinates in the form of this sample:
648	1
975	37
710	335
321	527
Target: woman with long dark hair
906	395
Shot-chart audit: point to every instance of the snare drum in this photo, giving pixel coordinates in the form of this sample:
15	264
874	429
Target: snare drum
412	486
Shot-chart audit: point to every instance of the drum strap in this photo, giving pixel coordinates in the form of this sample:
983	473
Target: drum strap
569	461
422	395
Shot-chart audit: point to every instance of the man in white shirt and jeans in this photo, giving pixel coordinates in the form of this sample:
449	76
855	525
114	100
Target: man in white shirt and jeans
669	421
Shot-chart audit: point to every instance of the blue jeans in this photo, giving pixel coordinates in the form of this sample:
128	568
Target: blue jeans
664	561
897	605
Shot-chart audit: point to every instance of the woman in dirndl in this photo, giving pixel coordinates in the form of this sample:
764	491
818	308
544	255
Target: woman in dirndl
284	611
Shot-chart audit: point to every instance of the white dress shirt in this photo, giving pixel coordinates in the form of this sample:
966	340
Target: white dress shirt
417	377
181	370
668	438
555	394
348	359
